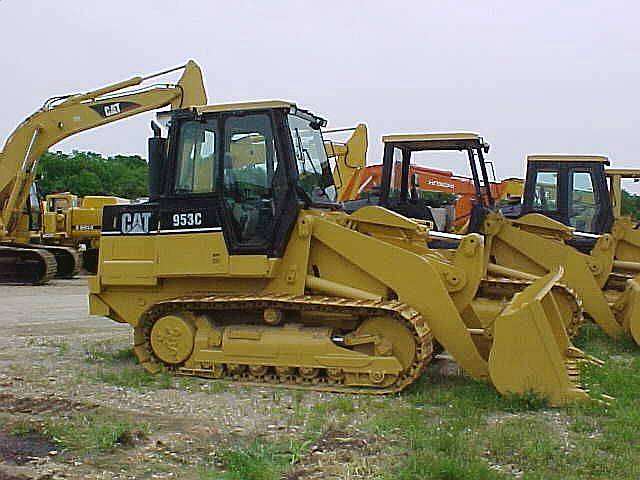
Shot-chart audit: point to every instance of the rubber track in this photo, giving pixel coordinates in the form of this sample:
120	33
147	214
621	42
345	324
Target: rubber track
401	312
47	260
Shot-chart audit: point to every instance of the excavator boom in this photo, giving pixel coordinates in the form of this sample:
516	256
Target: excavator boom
61	117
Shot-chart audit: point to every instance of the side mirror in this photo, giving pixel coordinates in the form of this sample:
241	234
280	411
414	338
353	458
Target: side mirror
157	148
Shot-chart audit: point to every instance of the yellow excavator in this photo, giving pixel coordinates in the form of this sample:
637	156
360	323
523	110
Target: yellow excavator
60	117
243	266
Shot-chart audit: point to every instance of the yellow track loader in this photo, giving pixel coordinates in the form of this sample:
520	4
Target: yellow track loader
572	191
60	117
533	244
243	266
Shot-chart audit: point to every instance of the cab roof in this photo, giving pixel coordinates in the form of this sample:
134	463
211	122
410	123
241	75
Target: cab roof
257	105
260	105
435	141
568	158
623	172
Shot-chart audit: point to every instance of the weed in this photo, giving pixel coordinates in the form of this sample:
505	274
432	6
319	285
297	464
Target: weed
218	386
105	353
342	404
93	432
134	377
258	461
297	449
22	428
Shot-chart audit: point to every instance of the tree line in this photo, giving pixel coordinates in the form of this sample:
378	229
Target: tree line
88	173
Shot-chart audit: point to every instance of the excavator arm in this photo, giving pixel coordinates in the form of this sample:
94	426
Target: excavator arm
61	117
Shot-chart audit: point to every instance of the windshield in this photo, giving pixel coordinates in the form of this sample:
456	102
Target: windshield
314	171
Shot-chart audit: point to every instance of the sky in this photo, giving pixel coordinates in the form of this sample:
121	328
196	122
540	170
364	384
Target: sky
531	77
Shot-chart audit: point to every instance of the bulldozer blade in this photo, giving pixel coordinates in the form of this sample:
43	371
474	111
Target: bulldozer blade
531	350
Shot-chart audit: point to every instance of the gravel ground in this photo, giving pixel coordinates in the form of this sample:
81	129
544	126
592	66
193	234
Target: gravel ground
46	373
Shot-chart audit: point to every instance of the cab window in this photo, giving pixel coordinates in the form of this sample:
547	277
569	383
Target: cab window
546	191
196	158
583	207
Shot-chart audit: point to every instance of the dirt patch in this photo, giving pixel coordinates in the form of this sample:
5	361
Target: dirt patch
331	452
12	404
334	440
19	450
9	476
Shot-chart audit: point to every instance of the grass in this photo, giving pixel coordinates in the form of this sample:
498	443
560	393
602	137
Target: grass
83	433
134	377
61	347
22	427
119	367
442	428
93	432
455	428
257	460
104	352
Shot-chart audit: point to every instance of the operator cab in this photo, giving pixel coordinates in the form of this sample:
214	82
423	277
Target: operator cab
408	201
571	189
244	169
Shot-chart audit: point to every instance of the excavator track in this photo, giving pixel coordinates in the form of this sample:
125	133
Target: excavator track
32	266
503	287
294	376
68	260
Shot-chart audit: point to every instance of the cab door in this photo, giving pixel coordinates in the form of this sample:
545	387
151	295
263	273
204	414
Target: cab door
545	190
258	197
589	207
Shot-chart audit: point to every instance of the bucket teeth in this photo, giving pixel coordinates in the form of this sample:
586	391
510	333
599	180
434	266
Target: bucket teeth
581	357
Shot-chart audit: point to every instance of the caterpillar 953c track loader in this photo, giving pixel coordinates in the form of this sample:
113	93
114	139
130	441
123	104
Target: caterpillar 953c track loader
534	244
59	118
242	266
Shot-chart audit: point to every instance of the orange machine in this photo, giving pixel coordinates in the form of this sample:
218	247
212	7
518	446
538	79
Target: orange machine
434	180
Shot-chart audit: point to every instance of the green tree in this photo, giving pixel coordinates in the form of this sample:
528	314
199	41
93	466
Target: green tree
88	173
631	204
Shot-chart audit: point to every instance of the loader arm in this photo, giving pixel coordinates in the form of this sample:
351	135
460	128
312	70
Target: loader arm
350	158
62	117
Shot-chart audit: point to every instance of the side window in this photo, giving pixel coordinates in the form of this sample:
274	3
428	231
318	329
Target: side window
583	206
250	164
196	158
546	191
60	204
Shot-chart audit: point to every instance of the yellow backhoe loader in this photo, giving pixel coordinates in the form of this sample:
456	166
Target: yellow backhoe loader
243	266
60	117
